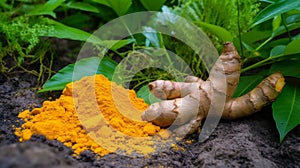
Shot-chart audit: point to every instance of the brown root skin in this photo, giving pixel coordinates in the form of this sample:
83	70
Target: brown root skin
191	100
265	93
192	79
225	74
177	111
167	90
188	128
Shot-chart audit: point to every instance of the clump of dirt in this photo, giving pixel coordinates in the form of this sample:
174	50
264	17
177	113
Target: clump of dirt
17	93
247	142
32	154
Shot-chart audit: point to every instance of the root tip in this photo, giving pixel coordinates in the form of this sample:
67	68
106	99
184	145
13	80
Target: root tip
279	84
151	86
228	47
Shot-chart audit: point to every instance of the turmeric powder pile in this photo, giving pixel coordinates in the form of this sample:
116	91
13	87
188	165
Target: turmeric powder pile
94	114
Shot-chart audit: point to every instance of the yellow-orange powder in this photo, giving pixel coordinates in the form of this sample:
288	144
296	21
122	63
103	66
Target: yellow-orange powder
93	114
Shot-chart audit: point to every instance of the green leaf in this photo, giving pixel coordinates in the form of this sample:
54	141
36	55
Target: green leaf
287	68
246	84
153	5
47	8
276	22
66	32
107	67
222	33
255	35
145	94
282	29
277	42
293	47
82	6
121	43
275	9
119	6
286	109
293	18
63	31
77	20
277	50
84	67
269	1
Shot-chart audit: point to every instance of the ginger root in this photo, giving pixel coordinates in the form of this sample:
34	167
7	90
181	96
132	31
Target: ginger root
194	97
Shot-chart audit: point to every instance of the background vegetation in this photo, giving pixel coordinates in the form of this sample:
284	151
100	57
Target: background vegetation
266	33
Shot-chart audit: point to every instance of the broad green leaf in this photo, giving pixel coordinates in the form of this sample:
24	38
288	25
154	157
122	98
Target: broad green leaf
293	19
121	43
282	29
84	67
296	37
107	67
293	47
103	2
277	42
287	68
286	109
145	94
255	35
277	50
275	9
153	5
246	84
119	6
77	20
63	31
66	32
269	1
248	47
47	8
222	33
276	22
82	6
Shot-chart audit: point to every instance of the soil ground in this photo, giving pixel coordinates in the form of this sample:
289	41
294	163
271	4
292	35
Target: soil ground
249	142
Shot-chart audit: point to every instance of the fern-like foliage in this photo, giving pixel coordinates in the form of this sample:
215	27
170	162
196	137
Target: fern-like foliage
21	44
24	32
222	13
235	16
19	37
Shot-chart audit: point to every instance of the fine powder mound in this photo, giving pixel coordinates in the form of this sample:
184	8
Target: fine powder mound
98	115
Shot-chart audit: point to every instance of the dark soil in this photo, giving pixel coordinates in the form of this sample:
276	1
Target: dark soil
248	142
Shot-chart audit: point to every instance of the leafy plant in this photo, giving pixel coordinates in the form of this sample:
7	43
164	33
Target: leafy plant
286	109
268	43
25	23
20	42
279	50
220	19
64	31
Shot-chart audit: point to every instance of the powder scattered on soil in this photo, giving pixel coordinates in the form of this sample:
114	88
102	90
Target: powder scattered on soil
94	114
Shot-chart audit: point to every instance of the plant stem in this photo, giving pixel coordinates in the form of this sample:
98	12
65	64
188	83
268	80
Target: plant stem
264	43
162	45
262	62
129	31
239	26
286	28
